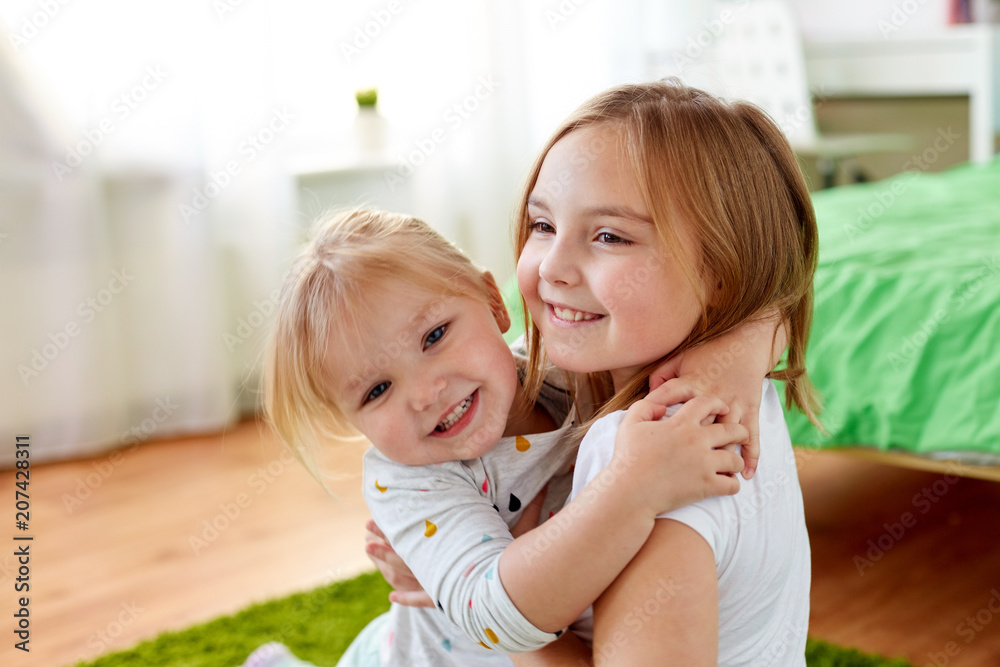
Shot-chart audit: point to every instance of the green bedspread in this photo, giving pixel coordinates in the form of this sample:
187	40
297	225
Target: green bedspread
905	346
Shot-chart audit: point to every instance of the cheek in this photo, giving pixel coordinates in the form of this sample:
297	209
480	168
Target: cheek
527	275
617	292
371	430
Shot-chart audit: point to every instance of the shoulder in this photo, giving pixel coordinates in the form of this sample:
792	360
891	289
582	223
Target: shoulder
772	416
596	450
601	434
606	425
772	496
379	472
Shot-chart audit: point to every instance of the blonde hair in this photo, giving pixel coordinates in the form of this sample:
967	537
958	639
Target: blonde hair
325	292
728	173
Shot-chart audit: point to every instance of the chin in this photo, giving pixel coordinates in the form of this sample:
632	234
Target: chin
572	363
479	444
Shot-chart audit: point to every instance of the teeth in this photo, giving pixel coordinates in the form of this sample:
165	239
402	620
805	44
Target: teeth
570	315
455	415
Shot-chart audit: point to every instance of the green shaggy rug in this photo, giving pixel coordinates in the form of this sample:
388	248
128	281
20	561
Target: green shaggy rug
318	626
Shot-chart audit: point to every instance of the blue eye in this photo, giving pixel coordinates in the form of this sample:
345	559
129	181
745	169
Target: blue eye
435	336
377	391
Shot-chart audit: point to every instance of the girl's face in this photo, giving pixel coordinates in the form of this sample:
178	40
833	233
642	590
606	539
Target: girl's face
432	381
600	286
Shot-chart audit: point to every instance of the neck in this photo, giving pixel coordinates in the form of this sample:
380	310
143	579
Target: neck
622	376
536	421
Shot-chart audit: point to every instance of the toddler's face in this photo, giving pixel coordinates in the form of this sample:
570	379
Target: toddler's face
599	284
431	380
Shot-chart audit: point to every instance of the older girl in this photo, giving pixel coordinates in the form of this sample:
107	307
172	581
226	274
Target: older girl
693	216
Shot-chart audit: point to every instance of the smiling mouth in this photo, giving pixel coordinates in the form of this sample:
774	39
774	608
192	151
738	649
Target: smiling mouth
456	414
570	315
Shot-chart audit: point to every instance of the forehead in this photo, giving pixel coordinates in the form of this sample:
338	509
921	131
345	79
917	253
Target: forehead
587	171
587	156
383	323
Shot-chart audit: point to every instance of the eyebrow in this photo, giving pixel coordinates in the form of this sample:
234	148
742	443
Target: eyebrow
608	211
353	385
535	201
619	211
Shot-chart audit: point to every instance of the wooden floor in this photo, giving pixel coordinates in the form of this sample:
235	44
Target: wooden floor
174	532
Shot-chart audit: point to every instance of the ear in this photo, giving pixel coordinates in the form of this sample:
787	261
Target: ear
497	306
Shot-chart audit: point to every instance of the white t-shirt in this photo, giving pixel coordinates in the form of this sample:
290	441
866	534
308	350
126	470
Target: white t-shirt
759	540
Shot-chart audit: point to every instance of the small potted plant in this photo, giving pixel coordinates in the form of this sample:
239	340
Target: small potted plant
370	126
367	98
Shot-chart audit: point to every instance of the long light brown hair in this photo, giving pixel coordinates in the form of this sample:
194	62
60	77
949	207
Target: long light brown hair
727	172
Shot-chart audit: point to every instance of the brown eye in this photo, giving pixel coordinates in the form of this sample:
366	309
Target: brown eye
612	239
542	227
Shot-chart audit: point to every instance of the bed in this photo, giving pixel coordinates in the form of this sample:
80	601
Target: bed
905	345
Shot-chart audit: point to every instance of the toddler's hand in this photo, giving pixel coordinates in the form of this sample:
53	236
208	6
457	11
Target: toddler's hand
680	460
739	386
407	589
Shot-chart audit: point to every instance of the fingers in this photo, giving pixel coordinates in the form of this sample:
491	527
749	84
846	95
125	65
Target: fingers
699	408
385	553
671	392
725	434
373	528
411	598
644	410
726	485
392	567
749	417
399	581
751	452
726	464
664	373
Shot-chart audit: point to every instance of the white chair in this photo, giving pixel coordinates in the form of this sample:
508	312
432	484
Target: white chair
758	56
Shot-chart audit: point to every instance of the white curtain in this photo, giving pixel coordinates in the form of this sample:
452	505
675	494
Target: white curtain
147	159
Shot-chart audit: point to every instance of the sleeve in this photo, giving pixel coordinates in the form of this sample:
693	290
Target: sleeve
596	450
451	537
706	517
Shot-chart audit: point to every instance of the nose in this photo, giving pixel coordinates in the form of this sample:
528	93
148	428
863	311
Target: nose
426	391
559	266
